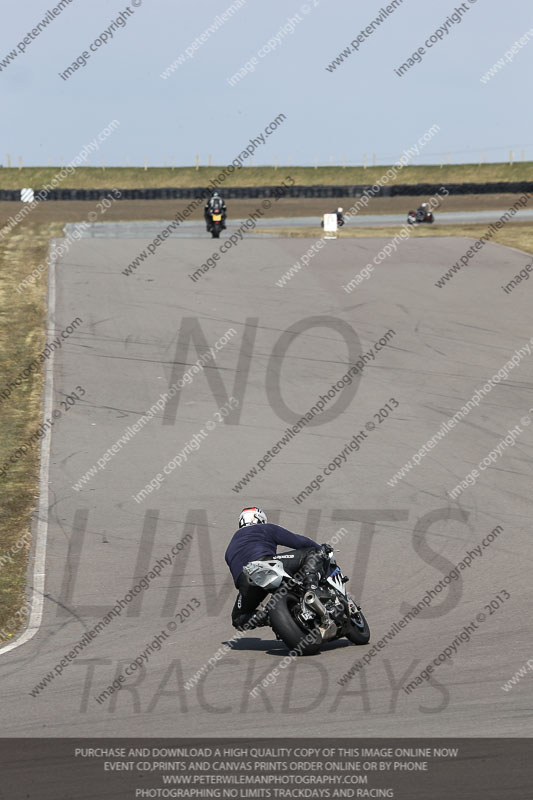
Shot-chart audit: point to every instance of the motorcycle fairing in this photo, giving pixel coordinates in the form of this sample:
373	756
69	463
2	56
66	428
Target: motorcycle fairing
266	574
335	580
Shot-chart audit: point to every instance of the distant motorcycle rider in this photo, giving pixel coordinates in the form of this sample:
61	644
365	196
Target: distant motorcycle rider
215	205
257	540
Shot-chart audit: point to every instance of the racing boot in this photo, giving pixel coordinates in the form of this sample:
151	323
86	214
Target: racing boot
258	620
247	622
311	580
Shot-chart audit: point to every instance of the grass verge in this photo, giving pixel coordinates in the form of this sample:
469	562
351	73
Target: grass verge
157	177
22	332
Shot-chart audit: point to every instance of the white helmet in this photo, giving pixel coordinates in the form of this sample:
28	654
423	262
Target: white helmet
339	211
252	516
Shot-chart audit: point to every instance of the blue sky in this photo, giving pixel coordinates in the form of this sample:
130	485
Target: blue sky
361	107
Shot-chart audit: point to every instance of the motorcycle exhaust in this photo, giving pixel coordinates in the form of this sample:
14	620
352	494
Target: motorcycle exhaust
328	629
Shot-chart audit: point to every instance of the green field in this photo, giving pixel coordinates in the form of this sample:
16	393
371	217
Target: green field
156	177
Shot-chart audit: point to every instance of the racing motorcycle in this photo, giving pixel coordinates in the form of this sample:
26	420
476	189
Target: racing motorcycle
305	619
420	215
215	223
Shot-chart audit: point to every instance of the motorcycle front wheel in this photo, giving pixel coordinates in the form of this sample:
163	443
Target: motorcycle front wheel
358	630
281	612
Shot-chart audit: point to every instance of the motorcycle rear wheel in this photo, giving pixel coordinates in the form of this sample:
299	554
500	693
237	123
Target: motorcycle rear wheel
286	628
358	634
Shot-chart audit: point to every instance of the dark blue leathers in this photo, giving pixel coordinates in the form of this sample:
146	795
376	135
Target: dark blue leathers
258	542
254	542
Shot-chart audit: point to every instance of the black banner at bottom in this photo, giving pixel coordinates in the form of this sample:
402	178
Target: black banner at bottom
405	769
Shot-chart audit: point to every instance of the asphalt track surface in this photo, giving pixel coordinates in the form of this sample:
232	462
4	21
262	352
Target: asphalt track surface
195	228
400	541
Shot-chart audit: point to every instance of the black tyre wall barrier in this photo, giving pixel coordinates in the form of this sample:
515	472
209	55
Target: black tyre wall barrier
253	192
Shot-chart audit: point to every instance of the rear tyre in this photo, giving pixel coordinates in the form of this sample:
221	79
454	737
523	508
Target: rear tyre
286	628
358	631
215	233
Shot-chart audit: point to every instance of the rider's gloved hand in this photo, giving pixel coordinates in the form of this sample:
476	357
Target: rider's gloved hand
327	550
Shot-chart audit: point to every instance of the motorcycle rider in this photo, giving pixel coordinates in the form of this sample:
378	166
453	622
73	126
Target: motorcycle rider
257	540
215	205
423	209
